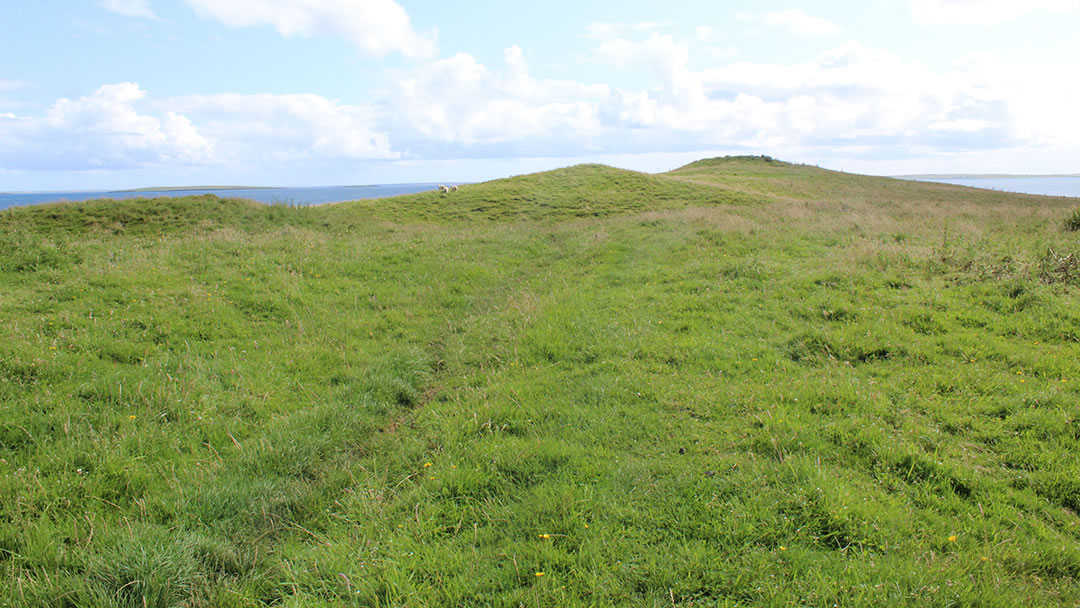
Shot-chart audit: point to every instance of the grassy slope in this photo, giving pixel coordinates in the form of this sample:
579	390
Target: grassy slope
838	389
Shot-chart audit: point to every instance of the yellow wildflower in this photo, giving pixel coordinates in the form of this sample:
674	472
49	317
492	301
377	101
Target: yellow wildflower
952	539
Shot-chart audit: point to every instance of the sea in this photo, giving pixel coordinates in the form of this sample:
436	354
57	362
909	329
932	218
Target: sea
1049	186
273	196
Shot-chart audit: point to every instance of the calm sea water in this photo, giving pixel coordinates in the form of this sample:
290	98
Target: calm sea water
1051	186
290	196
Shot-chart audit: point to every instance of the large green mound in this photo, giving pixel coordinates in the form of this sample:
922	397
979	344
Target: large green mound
766	178
740	383
580	191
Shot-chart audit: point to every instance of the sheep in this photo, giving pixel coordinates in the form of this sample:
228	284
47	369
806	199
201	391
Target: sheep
443	189
453	188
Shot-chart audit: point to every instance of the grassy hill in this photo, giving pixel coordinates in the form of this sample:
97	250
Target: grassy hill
743	382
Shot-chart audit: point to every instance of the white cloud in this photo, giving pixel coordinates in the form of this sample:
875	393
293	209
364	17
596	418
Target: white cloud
285	127
119	127
377	27
795	21
866	101
130	8
108	128
703	33
457	102
984	12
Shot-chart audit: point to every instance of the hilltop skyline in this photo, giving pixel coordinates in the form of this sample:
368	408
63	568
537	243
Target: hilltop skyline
135	93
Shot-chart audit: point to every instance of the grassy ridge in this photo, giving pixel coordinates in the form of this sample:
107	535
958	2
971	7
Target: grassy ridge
838	390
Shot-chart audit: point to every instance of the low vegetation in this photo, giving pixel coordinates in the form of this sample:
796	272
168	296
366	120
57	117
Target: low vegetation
743	382
1072	223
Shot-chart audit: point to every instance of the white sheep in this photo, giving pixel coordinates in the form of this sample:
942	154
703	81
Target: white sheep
453	188
443	189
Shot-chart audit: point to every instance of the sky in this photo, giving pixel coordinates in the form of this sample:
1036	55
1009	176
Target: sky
137	93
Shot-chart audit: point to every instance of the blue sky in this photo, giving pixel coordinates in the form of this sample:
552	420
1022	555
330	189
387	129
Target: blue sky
131	93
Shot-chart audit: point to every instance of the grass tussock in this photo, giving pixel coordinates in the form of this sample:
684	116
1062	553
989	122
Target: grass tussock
743	382
1072	222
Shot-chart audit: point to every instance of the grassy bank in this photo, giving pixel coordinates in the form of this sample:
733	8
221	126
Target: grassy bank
743	382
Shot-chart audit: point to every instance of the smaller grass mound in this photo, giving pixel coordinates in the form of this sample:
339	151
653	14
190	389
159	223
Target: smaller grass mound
142	216
581	191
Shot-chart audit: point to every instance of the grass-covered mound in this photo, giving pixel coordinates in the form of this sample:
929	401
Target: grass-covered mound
546	390
581	191
149	217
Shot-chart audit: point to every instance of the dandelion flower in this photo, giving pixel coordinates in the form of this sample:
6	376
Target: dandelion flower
783	548
427	464
539	574
545	536
131	417
952	539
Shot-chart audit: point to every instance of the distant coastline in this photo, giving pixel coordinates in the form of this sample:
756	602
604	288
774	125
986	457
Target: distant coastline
932	176
215	188
187	188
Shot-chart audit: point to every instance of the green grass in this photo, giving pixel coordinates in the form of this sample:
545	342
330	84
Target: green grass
1072	222
743	382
